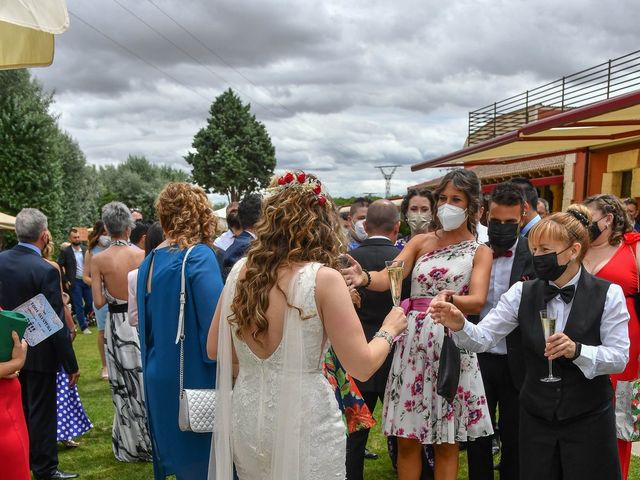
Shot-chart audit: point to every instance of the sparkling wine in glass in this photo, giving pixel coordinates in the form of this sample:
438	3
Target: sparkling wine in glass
548	320
395	270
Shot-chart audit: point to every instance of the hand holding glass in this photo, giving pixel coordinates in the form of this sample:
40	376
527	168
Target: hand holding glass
548	320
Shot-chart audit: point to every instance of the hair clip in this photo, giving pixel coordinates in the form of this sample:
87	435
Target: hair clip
579	216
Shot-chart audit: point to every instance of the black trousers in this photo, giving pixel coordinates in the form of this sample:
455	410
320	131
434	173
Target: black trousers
357	441
578	449
501	395
39	404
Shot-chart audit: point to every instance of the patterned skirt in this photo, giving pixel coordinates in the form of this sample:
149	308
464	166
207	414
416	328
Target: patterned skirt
72	418
130	434
355	413
412	407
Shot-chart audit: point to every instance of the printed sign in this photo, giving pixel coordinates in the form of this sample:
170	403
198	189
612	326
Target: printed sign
43	320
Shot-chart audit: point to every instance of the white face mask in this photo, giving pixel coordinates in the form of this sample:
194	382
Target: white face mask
359	233
418	222
104	241
451	217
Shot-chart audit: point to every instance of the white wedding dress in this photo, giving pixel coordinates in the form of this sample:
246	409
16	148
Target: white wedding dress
285	424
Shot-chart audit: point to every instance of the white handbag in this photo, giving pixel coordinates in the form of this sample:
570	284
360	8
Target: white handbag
196	410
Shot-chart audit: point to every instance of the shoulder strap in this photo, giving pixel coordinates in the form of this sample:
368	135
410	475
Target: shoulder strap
635	261
180	332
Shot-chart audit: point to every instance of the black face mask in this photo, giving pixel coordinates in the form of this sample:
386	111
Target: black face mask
546	266
503	235
594	230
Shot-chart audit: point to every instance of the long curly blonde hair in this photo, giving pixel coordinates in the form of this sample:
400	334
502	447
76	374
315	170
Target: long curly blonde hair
185	214
295	227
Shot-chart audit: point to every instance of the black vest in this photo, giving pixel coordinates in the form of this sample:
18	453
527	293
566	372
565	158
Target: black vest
574	395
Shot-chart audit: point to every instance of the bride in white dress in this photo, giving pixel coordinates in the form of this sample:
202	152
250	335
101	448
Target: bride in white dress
279	312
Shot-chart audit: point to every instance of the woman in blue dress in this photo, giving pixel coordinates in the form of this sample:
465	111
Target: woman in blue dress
187	219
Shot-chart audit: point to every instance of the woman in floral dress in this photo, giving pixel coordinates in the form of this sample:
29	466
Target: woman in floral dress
451	265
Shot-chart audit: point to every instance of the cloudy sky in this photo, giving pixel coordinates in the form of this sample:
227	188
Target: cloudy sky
341	86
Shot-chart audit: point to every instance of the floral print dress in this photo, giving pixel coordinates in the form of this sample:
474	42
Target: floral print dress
412	408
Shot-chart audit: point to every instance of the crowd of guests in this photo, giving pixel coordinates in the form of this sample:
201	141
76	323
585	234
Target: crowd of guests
307	337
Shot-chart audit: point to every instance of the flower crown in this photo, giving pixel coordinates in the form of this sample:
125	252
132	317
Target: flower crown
300	181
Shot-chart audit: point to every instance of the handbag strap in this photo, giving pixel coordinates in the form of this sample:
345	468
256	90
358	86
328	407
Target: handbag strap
180	332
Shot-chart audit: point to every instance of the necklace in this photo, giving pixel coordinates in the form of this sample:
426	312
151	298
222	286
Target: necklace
119	243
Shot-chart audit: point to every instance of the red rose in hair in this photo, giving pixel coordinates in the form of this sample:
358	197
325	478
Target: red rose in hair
322	200
288	178
280	180
301	177
317	189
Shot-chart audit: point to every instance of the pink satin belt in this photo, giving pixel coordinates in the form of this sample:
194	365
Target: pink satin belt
419	304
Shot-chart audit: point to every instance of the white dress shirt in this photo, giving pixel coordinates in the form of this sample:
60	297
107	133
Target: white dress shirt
609	357
499	284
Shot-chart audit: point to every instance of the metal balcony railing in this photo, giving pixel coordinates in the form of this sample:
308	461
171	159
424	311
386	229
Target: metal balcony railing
609	79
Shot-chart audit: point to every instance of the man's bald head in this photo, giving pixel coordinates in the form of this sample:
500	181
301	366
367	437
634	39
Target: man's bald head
383	218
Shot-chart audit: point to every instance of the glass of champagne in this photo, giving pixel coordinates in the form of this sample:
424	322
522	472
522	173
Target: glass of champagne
395	270
548	320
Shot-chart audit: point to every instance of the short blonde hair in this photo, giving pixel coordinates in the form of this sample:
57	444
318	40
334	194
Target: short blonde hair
185	214
567	227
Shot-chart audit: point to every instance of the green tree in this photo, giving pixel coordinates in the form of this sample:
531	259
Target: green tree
137	183
233	153
30	168
79	193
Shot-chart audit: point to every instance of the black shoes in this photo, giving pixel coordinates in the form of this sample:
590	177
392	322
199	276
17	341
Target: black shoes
370	455
59	475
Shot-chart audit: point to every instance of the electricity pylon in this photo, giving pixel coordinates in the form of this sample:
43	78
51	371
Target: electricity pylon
387	176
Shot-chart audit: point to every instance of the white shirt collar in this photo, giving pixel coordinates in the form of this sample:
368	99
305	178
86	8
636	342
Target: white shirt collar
378	236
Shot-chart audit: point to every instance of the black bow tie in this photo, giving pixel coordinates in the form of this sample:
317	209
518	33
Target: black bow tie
565	293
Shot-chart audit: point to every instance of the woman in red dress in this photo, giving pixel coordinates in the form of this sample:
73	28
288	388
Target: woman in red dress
14	440
613	255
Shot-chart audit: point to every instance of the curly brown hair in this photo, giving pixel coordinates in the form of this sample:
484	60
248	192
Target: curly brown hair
186	215
611	204
294	228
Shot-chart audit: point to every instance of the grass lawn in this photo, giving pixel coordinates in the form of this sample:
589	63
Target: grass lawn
94	458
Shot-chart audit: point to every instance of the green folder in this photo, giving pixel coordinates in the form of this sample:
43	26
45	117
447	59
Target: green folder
10	321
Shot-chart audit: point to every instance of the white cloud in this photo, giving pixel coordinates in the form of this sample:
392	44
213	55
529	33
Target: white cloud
341	86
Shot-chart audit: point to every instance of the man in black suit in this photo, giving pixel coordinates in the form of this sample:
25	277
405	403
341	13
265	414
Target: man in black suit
24	275
502	367
382	225
71	261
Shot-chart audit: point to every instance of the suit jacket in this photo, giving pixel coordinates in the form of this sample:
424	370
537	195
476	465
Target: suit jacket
521	270
68	264
371	255
24	274
235	252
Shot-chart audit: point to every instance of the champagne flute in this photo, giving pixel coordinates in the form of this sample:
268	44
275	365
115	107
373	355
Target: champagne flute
395	270
548	320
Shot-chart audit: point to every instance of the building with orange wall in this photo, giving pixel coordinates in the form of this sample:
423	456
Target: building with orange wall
591	119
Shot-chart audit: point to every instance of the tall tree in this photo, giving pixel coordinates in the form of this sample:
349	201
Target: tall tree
79	192
233	153
30	169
